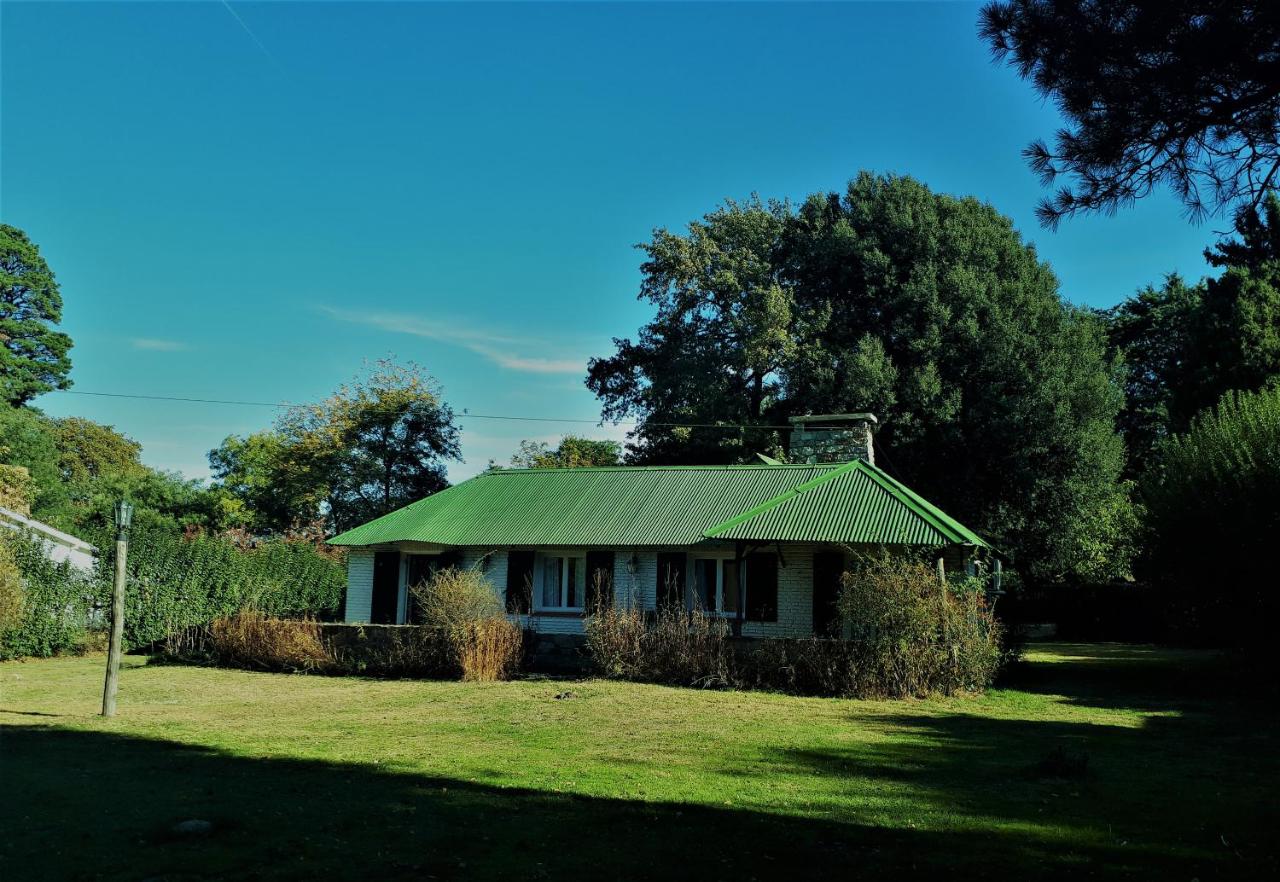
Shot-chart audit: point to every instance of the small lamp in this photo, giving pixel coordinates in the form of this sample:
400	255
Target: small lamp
124	517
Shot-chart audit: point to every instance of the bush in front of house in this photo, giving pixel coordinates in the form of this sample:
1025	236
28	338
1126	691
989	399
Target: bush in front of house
672	645
251	639
459	608
464	635
48	608
908	633
913	634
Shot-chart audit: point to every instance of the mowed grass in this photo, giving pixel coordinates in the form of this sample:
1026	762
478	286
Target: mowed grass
327	778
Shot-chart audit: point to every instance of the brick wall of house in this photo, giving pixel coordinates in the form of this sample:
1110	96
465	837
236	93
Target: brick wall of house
635	574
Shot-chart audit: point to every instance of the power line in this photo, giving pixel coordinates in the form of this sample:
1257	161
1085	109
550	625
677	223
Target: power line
465	414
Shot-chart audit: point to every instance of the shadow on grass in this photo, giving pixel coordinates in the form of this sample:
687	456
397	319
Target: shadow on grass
1128	677
1181	795
89	805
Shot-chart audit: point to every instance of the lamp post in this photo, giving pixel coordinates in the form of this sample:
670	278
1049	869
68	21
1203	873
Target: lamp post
124	515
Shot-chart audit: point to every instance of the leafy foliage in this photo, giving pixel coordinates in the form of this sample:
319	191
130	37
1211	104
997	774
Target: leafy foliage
1214	519
57	603
1185	346
1183	93
913	633
374	446
33	356
571	453
89	450
996	399
175	583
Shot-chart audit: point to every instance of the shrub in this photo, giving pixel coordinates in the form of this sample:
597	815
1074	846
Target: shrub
1211	498
671	645
813	666
11	602
55	605
177	583
460	608
913	634
251	639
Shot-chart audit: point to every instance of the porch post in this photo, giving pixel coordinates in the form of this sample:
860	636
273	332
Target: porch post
741	588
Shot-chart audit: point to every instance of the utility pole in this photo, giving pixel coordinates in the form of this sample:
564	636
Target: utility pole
124	514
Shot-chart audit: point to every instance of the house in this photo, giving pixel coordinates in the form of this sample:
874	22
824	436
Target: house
763	545
58	546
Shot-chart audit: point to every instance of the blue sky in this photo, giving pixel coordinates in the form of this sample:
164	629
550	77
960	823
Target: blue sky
247	202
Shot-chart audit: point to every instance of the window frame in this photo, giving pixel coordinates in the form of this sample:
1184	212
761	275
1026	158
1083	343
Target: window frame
540	569
691	582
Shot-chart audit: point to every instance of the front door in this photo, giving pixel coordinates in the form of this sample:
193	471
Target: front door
386	587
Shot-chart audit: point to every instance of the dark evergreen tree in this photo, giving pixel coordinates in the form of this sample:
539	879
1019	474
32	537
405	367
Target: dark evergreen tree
33	356
1179	93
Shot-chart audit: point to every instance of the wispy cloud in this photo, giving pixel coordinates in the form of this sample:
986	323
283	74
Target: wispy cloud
497	348
155	345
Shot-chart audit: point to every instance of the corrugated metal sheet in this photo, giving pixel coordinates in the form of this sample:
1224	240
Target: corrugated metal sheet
856	503
664	506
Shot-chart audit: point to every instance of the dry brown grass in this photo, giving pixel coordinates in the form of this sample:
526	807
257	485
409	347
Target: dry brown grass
460	607
671	645
251	639
490	650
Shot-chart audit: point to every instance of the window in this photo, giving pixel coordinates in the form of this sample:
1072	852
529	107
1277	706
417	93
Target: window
563	582
715	585
714	588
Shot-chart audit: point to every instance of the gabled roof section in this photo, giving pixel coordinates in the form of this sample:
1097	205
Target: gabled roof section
669	506
856	503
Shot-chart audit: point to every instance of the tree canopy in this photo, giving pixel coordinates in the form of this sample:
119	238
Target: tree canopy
1185	346
373	446
1181	93
572	452
996	398
33	356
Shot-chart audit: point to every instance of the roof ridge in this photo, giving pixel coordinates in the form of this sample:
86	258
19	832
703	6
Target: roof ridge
782	497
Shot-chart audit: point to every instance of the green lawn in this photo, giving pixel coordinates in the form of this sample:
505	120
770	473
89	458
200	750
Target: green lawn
311	777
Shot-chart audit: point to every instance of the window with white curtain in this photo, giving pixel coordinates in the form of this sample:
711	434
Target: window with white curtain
563	582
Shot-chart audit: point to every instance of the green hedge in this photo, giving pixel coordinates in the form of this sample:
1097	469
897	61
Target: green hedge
173	583
57	603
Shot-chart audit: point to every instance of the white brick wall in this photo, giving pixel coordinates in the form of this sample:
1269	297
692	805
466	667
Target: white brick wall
634	579
359	602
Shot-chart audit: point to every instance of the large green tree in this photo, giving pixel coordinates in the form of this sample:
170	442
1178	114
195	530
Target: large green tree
33	356
1184	346
996	397
79	470
1176	93
375	445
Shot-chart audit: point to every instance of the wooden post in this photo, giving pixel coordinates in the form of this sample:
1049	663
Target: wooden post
942	569
741	588
123	514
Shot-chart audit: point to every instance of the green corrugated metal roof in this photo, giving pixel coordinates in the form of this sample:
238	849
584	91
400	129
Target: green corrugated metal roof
856	503
668	505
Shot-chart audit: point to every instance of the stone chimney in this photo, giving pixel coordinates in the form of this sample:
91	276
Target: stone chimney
833	437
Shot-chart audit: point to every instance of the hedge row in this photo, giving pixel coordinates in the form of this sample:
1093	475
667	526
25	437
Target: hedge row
174	583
